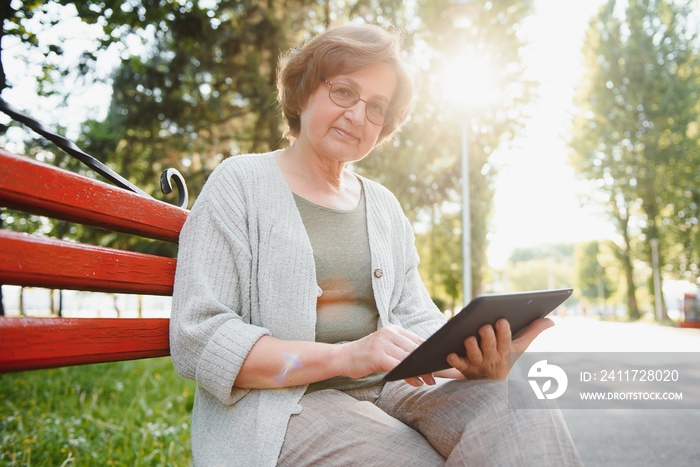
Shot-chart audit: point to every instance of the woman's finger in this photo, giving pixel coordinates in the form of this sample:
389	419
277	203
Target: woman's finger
416	339
414	381
429	379
503	336
488	339
474	355
461	364
535	328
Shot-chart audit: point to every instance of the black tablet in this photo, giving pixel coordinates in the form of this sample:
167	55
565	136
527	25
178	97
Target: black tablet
520	309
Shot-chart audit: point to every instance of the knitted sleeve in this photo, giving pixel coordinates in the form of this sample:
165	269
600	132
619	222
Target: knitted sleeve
209	332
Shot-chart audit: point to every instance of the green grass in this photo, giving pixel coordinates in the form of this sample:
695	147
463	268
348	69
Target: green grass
125	413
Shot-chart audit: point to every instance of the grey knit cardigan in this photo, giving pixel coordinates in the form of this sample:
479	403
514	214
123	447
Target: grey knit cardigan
245	269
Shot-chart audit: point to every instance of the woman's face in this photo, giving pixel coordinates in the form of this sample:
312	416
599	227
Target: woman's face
344	134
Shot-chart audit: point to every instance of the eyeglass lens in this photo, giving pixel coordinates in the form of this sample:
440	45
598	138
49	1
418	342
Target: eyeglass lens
345	96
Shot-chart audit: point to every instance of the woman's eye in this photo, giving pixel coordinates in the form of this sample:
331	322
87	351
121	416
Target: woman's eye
343	91
377	109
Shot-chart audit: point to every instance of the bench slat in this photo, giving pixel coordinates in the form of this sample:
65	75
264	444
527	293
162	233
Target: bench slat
38	188
34	343
30	260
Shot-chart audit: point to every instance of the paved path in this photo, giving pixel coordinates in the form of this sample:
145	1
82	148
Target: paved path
578	334
641	437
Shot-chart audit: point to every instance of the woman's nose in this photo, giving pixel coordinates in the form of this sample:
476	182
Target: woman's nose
357	113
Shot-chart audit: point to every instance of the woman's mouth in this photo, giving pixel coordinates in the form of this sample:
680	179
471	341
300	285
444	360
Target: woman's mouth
346	134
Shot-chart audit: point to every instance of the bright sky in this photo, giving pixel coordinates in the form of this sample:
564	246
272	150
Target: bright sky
84	101
535	199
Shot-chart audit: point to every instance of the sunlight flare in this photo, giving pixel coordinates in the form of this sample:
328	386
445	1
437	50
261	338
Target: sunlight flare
468	82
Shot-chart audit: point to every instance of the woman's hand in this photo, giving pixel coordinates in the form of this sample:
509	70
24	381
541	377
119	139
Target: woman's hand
379	352
490	360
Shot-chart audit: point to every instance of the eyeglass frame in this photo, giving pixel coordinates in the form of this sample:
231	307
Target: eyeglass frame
387	118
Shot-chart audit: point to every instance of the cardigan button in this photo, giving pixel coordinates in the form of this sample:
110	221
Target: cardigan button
378	273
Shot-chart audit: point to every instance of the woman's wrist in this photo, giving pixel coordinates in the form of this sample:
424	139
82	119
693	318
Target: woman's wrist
344	358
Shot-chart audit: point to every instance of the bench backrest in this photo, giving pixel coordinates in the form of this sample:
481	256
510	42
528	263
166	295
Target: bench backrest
30	260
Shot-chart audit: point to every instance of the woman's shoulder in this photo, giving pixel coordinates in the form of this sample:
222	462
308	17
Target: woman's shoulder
245	163
240	171
239	177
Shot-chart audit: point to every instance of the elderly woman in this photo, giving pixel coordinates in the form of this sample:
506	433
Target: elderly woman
297	288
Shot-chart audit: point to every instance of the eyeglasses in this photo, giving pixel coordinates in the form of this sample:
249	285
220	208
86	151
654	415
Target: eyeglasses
344	95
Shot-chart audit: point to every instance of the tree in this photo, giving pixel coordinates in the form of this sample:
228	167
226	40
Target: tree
422	165
560	252
592	279
540	267
202	85
440	251
633	134
539	274
201	88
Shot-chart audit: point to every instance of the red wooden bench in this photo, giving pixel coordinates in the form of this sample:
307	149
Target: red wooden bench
30	260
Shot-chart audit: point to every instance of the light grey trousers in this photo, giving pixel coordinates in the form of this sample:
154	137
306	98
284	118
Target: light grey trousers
452	423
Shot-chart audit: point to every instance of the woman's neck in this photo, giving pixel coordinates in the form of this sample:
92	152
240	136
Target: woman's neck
320	181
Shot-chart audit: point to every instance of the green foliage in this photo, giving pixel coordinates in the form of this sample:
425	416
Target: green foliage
560	252
201	87
13	18
422	166
540	267
592	263
21	222
636	136
440	250
126	413
539	274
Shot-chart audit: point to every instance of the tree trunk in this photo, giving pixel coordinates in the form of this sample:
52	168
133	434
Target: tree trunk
21	301
6	12
656	266
60	303
626	258
116	305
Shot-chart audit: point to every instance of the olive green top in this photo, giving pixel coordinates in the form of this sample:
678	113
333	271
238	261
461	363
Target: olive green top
346	310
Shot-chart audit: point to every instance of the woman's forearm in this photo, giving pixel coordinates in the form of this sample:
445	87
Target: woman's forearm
276	363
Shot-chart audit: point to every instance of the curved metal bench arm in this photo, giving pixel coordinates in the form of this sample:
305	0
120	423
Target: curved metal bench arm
166	187
73	150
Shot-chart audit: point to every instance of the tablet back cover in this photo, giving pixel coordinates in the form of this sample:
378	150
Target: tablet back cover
520	309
